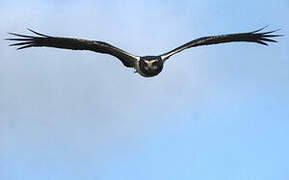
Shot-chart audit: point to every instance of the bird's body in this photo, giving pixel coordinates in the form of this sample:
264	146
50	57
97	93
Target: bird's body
146	66
149	66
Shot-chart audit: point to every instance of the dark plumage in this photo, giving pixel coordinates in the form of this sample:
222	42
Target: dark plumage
146	66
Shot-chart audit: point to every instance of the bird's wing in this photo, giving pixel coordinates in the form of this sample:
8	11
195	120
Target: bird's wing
25	41
254	36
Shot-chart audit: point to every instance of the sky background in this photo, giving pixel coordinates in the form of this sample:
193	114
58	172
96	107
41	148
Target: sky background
214	113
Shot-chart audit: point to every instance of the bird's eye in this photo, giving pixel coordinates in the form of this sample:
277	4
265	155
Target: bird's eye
155	63
143	63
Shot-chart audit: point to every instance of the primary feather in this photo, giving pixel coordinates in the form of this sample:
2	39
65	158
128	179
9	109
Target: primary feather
146	66
75	44
254	36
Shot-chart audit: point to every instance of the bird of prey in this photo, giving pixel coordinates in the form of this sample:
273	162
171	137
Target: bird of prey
147	66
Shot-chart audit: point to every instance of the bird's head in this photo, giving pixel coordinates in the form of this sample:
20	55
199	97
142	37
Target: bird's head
150	65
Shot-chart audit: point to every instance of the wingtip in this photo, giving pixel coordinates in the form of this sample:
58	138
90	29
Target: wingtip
28	29
261	29
268	32
23	47
36	32
20	35
262	42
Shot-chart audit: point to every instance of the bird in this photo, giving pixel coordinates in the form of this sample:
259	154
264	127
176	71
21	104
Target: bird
146	66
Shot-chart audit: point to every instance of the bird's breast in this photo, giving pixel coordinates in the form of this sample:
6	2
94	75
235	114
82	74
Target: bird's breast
148	69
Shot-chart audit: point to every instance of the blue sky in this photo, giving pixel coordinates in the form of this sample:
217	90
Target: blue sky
214	113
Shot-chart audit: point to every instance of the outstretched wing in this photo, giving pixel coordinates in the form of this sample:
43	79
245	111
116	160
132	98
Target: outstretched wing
25	41
254	36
